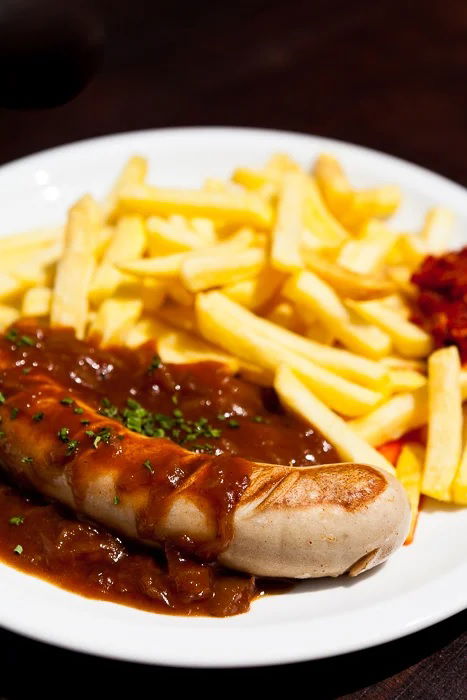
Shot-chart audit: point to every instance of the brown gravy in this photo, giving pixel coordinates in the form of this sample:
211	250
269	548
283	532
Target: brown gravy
222	420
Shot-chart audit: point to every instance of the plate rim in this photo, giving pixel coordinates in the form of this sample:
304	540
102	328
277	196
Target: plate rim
280	655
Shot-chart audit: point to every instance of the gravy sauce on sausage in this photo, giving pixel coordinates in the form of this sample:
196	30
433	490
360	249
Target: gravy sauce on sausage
199	406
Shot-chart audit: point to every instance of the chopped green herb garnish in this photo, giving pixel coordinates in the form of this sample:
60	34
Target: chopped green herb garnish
16	520
2	434
71	447
18	549
116	500
103	435
14	337
38	417
221	416
148	466
174	399
108	409
233	424
2	398
26	460
258	419
78	410
63	434
155	364
26	370
14	413
120	436
67	401
85	421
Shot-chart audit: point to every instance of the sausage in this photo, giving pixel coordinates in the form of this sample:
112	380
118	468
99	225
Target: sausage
267	520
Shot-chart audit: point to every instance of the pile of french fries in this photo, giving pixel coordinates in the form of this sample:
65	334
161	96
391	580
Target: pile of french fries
292	279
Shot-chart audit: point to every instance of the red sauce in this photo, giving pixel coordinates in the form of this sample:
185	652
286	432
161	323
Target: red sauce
51	383
442	299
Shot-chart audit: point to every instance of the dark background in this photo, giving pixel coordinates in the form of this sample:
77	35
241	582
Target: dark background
390	74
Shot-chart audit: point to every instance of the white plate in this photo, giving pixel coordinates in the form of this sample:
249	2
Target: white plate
419	586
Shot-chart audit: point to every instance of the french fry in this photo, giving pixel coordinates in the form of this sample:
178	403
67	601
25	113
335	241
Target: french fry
243	208
320	334
367	254
146	330
114	319
393	418
204	272
397	362
347	283
300	399
205	229
408	339
36	302
74	271
10	286
459	485
405	380
152	293
181	347
320	222
223	327
178	293
258	179
444	443
287	233
182	317
169	266
311	292
437	230
133	173
256	292
353	207
409	469
30	241
8	315
343	363
129	241
165	238
284	314
398	415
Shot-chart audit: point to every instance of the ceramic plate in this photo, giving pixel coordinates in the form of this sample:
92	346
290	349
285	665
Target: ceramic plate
420	585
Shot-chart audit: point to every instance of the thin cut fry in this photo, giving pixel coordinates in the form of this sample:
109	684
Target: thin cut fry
129	241
181	347
408	339
459	485
223	327
74	271
36	302
347	283
114	320
8	315
437	230
133	173
244	208
300	399
199	273
255	293
287	233
444	444
409	470
366	254
310	292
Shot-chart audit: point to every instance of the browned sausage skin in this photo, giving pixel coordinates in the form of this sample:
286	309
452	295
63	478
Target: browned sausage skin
264	519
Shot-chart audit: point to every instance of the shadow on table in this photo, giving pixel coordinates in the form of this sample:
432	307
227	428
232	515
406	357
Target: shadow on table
32	669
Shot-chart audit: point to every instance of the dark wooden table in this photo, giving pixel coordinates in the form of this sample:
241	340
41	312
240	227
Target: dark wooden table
390	74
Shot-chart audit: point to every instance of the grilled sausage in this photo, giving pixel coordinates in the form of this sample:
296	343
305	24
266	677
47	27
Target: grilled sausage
266	520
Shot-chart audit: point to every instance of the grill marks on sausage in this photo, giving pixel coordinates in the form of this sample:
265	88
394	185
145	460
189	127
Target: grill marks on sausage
67	381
